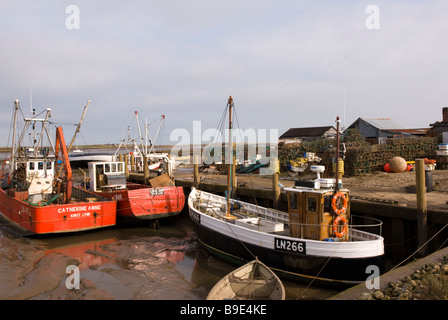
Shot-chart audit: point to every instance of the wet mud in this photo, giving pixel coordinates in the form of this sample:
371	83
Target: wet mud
140	267
119	263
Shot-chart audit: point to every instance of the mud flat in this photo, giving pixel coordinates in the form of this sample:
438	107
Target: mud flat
138	263
141	268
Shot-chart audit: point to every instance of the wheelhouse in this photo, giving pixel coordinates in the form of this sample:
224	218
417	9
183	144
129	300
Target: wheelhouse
107	175
317	211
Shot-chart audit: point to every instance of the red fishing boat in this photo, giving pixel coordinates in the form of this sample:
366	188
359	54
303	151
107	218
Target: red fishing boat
135	201
37	196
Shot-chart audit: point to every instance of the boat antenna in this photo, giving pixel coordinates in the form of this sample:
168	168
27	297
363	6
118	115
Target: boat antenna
31	101
229	171
345	90
146	135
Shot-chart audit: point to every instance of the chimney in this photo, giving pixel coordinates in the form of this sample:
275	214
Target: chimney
445	115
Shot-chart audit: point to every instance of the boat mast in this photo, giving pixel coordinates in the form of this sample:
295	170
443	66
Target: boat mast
345	90
139	133
13	151
146	136
44	128
78	127
157	135
337	154
229	170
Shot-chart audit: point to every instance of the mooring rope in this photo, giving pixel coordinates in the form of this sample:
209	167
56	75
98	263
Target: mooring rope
419	248
317	275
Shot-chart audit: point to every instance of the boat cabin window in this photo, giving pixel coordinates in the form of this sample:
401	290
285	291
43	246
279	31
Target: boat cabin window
49	165
327	202
113	167
311	204
292	201
40	165
31	166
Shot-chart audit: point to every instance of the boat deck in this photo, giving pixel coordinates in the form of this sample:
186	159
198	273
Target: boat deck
277	224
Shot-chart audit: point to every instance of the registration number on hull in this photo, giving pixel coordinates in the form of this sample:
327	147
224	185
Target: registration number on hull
156	192
290	245
195	216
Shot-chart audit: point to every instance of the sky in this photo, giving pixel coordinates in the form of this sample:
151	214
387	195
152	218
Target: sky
285	63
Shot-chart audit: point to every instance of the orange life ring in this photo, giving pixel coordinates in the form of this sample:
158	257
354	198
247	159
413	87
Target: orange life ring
344	204
336	224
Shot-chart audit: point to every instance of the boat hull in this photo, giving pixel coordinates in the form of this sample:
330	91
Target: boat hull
338	272
56	218
80	160
139	202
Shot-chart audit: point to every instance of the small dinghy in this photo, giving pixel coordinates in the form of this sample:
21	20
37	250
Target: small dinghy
253	281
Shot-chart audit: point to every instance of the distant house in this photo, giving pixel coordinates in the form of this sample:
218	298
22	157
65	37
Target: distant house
308	134
440	127
377	130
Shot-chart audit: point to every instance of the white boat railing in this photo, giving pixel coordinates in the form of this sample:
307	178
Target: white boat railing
214	202
377	224
354	232
275	215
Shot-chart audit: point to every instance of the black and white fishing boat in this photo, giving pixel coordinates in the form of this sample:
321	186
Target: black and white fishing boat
313	241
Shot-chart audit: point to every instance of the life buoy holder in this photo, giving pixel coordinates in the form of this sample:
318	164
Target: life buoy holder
336	225
334	202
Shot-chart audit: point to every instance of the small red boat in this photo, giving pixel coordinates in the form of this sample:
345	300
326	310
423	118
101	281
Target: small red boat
37	196
135	201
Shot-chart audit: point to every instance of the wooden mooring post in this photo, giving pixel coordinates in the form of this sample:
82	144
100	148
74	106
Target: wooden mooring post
132	163
126	168
145	170
276	191
422	211
196	176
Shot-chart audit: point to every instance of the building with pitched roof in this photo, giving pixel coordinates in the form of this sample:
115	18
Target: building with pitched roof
308	134
440	128
377	130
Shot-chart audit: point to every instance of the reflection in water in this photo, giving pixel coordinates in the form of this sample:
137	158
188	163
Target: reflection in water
87	253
